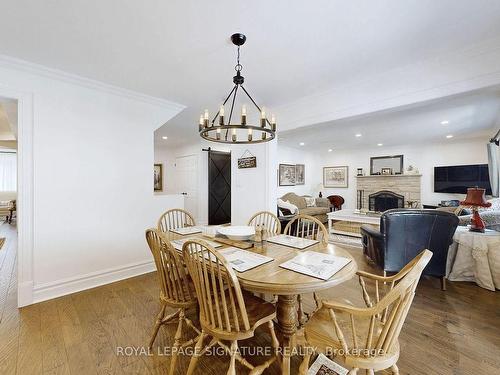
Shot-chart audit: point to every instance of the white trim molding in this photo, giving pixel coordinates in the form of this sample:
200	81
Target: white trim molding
54	289
26	66
25	211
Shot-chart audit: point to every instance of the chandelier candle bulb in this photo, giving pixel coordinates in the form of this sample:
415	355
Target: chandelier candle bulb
221	115
205	118
201	122
249	135
264	135
234	135
263	118
273	123
244	115
217	134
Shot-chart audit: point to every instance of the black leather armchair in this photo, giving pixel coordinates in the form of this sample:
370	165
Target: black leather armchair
404	233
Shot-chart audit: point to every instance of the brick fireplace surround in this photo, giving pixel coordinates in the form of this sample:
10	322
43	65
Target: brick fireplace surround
405	185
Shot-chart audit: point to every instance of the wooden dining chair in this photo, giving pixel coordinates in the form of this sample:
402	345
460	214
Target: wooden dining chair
267	220
226	312
305	226
176	291
174	219
367	338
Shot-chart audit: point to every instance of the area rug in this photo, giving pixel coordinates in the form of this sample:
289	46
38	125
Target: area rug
339	239
2	241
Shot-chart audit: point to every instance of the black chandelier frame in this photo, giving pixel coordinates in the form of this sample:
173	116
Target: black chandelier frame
267	129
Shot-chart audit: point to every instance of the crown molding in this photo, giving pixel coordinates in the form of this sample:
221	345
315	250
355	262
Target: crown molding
41	70
459	71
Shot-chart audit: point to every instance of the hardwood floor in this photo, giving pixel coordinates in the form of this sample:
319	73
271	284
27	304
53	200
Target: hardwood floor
456	332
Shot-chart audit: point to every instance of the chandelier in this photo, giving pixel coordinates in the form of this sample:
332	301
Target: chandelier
221	129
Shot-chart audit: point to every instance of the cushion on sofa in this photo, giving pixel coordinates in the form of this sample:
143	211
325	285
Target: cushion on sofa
296	200
313	211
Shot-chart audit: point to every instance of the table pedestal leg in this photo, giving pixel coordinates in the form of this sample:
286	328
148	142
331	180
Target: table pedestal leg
287	326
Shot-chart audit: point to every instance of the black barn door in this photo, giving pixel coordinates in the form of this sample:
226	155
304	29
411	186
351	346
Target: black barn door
219	187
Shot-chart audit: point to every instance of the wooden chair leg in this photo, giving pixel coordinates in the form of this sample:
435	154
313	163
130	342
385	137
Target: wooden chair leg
196	354
395	370
159	320
232	365
370	372
274	339
354	371
443	283
177	343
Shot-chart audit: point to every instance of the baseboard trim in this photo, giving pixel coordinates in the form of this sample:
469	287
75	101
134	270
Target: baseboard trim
54	289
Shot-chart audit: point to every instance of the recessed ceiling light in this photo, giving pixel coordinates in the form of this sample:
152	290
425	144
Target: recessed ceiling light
330	150
445	122
301	143
380	144
165	137
358	135
449	136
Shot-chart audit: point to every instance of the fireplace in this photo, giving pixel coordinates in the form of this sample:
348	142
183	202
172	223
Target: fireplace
385	200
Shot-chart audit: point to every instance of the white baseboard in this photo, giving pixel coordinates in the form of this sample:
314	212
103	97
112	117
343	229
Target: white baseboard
54	289
25	293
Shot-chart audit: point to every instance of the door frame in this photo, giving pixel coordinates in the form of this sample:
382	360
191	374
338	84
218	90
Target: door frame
25	192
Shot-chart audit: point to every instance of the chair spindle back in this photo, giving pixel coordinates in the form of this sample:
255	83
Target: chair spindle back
266	219
174	219
222	307
173	278
305	226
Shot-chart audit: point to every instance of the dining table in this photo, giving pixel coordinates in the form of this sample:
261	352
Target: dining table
287	285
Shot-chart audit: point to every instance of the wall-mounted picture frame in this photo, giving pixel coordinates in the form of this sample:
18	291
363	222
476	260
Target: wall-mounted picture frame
158	177
386	171
300	174
336	177
286	175
395	162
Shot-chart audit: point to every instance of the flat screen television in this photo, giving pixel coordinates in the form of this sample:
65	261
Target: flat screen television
457	178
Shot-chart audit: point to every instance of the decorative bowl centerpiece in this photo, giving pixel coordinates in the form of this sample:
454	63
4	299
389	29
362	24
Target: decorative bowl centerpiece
237	232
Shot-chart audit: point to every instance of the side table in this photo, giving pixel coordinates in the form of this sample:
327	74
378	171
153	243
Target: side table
475	257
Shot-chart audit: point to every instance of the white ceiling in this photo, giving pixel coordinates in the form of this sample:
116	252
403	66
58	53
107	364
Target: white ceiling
472	115
180	50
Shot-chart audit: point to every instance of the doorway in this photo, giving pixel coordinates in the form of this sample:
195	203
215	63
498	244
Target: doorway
186	168
8	204
219	187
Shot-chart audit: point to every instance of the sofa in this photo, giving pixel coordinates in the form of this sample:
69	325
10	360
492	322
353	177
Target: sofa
7	204
404	233
319	210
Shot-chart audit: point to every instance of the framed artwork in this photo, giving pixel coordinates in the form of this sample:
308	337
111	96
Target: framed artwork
158	177
335	177
286	175
300	174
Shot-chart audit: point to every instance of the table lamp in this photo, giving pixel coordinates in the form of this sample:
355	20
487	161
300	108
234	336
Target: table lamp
474	199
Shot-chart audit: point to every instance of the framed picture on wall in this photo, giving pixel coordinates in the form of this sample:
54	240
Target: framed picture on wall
286	175
158	177
335	177
300	174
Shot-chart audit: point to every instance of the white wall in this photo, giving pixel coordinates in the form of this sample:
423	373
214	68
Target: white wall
288	155
92	178
424	157
252	189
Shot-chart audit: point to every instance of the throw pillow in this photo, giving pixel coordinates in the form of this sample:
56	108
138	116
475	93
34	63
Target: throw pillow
288	206
310	202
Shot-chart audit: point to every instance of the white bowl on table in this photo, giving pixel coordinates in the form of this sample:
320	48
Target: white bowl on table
237	232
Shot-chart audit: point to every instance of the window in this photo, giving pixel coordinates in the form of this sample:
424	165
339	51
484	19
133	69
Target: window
8	171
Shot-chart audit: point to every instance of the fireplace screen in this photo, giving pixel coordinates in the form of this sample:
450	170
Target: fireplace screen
385	200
